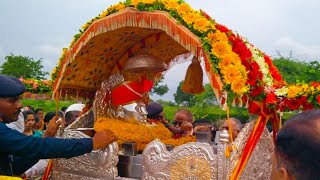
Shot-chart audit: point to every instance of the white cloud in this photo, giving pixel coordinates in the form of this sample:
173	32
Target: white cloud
50	49
307	52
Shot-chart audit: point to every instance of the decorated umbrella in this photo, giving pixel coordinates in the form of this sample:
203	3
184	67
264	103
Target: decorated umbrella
170	31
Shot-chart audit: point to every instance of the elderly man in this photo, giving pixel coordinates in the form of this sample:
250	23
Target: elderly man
19	152
236	127
297	148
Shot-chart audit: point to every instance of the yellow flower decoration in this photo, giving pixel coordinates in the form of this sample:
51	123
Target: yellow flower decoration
85	25
231	74
239	86
135	2
217	36
202	25
170	4
294	91
104	14
119	6
220	49
190	17
148	1
183	8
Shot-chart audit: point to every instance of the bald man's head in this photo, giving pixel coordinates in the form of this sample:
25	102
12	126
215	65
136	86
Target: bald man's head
297	146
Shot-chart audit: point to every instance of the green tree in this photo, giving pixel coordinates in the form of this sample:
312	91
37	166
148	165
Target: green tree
206	98
183	98
22	66
160	88
294	71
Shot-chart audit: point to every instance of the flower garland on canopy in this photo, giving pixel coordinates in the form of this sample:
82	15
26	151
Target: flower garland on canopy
243	68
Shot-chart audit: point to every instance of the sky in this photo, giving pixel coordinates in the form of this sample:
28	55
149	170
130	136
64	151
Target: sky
41	28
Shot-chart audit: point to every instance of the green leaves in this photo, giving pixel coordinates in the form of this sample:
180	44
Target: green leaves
22	66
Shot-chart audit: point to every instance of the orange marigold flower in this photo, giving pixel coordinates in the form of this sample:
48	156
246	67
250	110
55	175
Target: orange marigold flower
231	74
213	37
220	49
239	86
120	6
127	131
191	17
170	4
183	8
202	24
148	1
135	2
294	91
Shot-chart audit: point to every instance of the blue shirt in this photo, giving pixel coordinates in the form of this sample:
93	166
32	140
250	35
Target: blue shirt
22	151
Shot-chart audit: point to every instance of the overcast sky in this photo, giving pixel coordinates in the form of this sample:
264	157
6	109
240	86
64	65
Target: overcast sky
41	28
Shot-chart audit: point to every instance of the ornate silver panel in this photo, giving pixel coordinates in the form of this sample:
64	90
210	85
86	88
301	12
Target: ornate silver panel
188	161
198	160
259	164
95	165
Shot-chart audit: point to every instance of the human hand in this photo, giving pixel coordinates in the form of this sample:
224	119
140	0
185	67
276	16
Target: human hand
103	138
186	126
53	127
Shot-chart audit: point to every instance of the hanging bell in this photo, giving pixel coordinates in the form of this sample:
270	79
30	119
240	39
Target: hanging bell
193	82
144	63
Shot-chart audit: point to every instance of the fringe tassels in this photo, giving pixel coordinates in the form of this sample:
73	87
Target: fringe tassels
193	82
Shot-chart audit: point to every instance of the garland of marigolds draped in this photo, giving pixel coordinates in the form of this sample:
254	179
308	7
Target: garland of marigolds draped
128	131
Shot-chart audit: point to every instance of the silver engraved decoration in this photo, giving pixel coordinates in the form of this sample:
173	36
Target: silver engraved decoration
188	161
95	165
198	160
259	164
84	121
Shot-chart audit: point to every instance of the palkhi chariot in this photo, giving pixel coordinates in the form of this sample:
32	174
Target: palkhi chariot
117	58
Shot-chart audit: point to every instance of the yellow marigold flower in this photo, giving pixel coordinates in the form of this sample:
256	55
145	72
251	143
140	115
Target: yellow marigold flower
135	2
170	4
191	17
221	49
120	6
183	8
126	131
305	87
85	25
226	61
217	36
148	1
239	87
104	14
202	24
231	74
294	91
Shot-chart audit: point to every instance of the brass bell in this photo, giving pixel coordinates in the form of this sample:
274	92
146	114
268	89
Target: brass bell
144	63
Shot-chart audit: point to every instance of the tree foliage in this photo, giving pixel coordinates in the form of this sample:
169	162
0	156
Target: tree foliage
206	98
21	66
160	88
294	71
183	98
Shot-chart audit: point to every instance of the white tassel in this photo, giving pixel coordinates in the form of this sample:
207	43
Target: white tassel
247	104
233	102
240	101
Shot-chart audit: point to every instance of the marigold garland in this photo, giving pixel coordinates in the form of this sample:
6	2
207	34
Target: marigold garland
243	68
141	134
